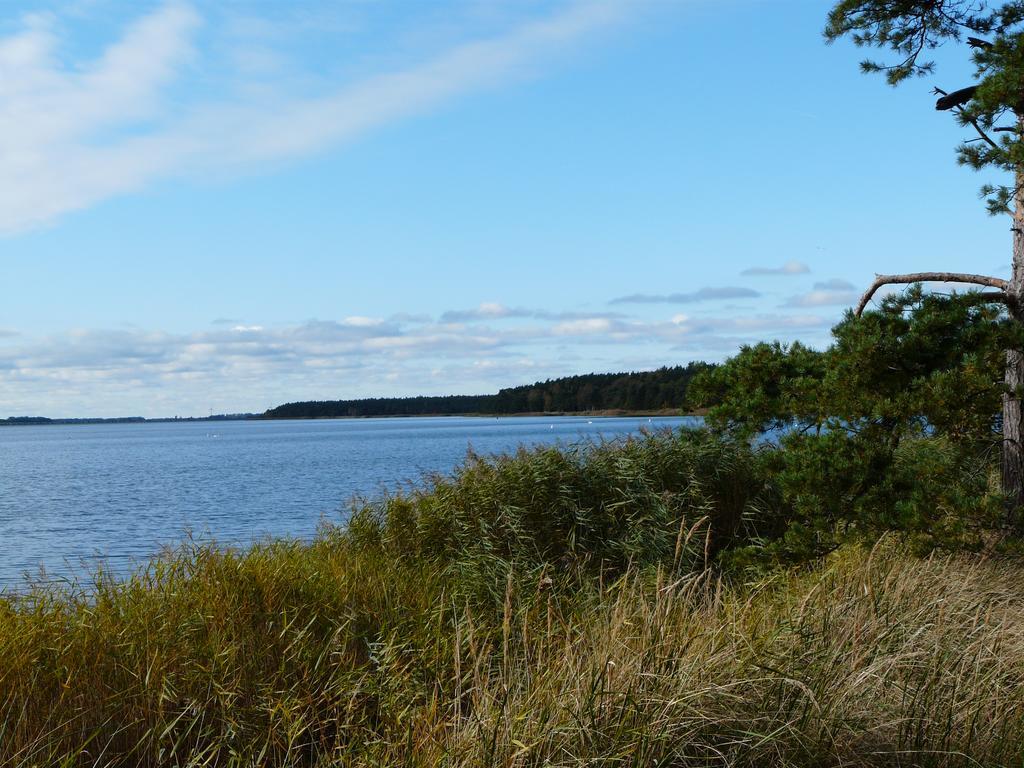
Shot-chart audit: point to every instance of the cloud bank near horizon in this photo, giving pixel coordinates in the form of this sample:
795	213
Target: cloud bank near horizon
250	367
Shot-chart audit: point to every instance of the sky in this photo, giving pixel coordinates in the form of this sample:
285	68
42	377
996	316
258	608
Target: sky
227	206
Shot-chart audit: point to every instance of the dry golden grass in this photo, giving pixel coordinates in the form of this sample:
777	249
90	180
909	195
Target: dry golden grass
295	655
881	660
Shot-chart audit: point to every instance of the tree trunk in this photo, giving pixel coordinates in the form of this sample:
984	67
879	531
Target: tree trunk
1013	452
1013	433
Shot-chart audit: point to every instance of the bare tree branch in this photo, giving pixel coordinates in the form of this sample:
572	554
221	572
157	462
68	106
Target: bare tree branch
988	139
955	101
1000	296
982	297
936	277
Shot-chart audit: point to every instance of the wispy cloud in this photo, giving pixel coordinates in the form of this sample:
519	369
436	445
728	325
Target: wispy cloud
582	327
835	284
825	293
789	268
497	311
704	294
59	121
486	311
78	132
822	299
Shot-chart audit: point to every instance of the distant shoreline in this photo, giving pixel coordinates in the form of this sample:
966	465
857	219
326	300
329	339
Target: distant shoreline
595	395
45	421
41	421
603	414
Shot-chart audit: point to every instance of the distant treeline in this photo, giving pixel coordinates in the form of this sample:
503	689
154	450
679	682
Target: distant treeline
18	420
657	390
13	421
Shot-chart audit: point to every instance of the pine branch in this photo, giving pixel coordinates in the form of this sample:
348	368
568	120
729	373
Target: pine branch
984	136
938	277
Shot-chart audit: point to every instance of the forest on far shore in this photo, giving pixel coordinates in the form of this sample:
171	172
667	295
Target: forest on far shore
658	390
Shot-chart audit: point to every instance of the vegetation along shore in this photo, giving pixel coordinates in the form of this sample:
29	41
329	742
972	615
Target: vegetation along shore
849	596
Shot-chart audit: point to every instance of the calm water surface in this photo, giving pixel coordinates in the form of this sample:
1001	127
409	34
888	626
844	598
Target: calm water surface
73	494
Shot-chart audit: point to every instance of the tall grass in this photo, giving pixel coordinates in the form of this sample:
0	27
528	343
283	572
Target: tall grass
546	608
588	508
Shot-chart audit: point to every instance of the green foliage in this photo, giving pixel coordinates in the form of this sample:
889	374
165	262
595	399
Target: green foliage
837	486
890	428
667	498
910	28
767	386
920	359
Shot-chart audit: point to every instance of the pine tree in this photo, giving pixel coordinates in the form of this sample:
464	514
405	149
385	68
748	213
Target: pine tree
992	108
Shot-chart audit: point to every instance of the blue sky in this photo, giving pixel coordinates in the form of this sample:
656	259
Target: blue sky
231	205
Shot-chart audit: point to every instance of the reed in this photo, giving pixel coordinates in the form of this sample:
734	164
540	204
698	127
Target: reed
544	608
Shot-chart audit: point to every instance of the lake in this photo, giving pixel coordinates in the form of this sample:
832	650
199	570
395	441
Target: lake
71	495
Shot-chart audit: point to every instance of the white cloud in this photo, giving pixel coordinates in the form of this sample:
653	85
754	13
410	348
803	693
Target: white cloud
486	310
357	321
835	284
826	293
575	327
822	298
791	267
492	309
58	120
703	294
76	133
497	311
